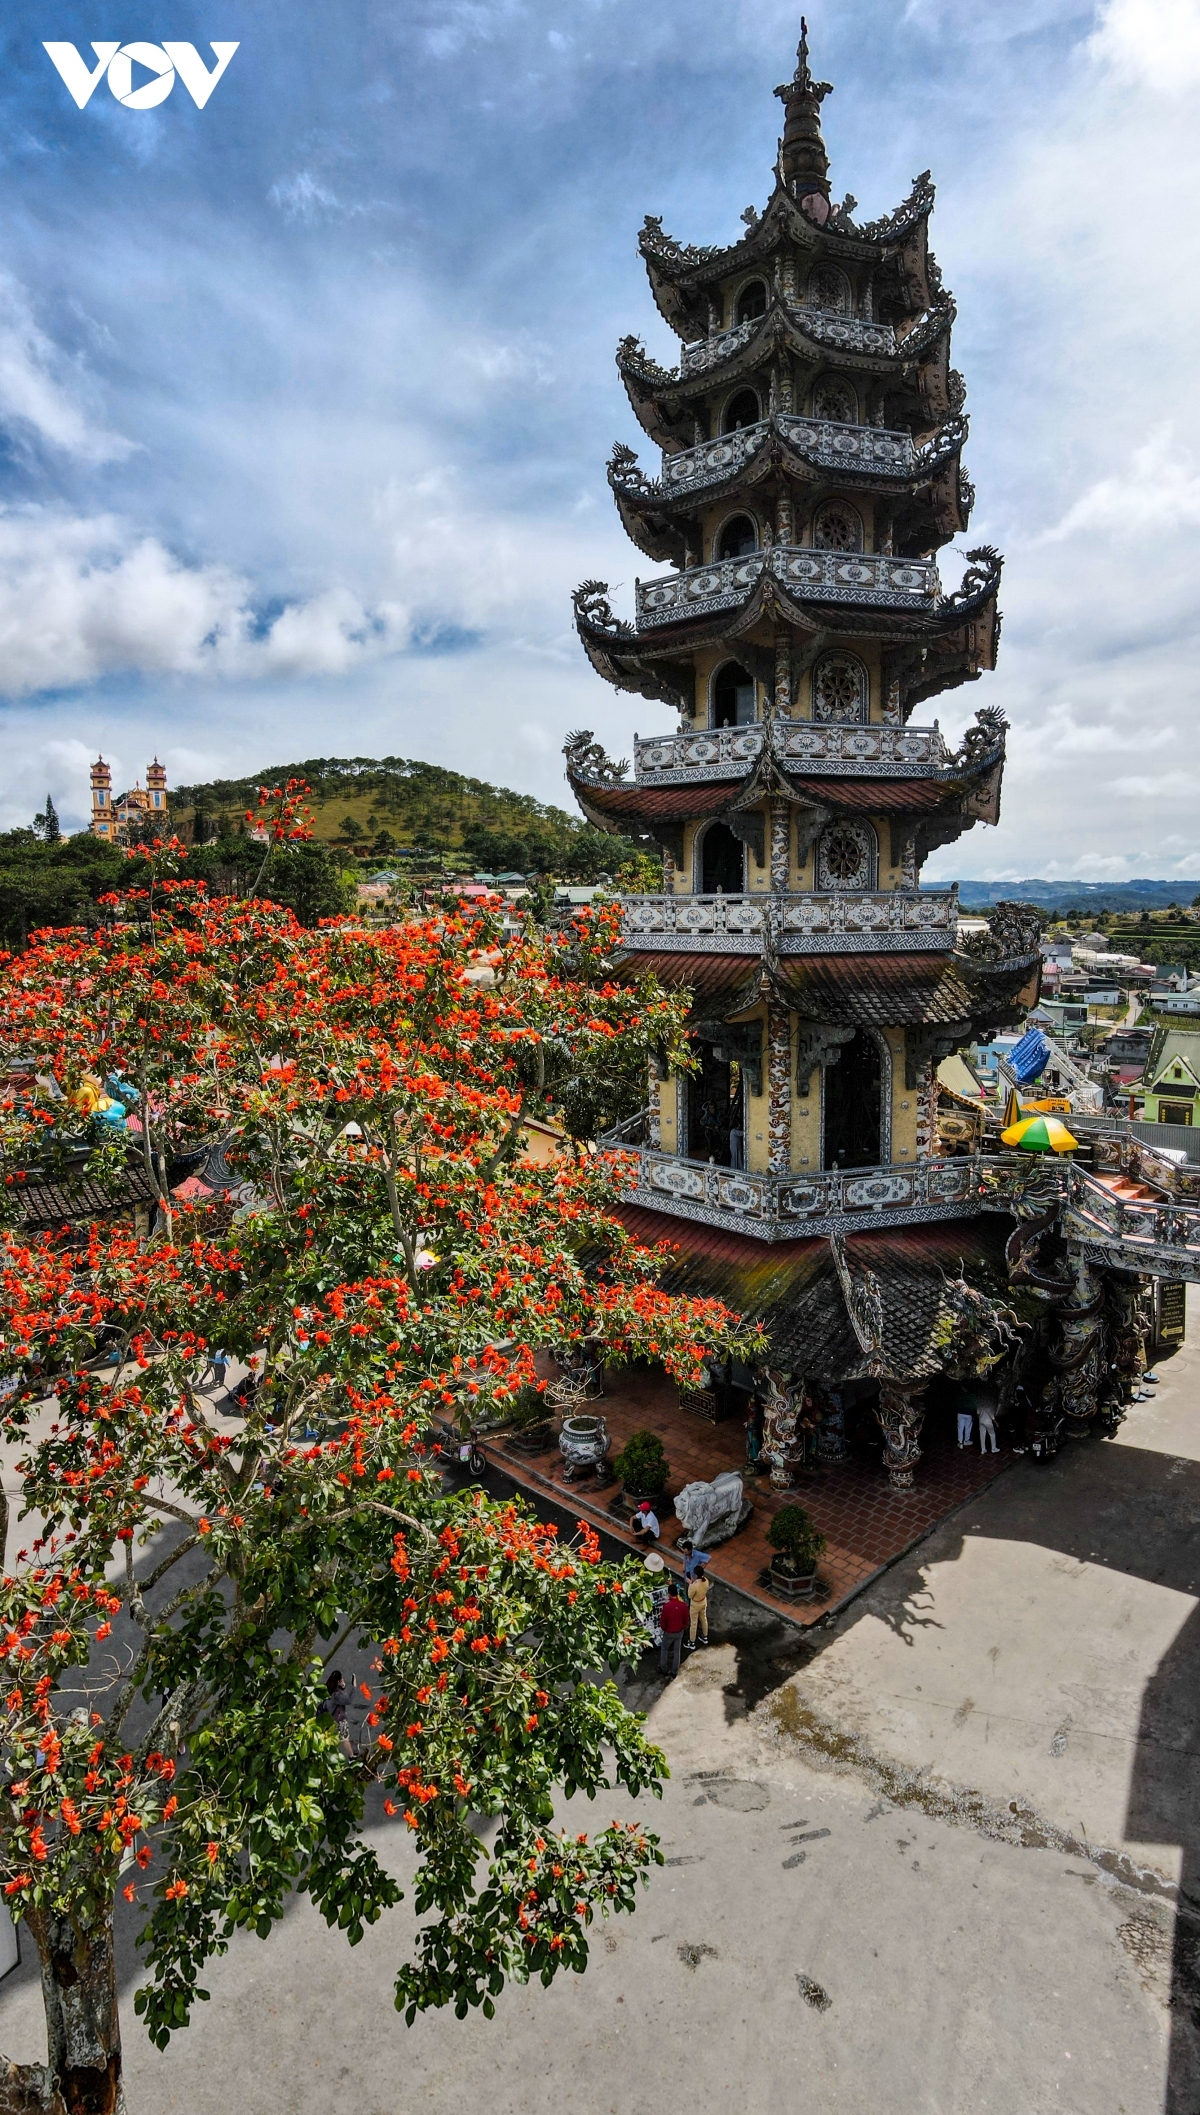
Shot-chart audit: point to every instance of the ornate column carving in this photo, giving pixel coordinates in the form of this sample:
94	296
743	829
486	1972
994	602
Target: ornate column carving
901	1414
779	1090
668	872
781	699
1077	1358
654	1120
1130	1323
781	832
785	520
783	1433
926	1093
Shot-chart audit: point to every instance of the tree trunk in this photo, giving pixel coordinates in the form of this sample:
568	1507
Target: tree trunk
83	2028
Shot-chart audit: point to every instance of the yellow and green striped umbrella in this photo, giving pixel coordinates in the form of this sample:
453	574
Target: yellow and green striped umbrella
1040	1134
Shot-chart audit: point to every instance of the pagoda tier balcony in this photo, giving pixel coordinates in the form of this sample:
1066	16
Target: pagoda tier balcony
825	326
858	921
788	1207
852	577
830	445
849	750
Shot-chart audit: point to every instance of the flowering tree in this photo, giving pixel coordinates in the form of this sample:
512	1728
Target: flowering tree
192	1575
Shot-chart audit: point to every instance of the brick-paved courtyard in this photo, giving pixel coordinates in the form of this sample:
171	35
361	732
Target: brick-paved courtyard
867	1524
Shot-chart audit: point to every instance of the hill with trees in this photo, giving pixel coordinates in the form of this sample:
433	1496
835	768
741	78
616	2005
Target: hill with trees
396	807
366	812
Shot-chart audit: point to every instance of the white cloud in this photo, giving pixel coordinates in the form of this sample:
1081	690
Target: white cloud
1062	733
1167	785
1159	492
82	598
40	390
534	739
1153	42
304	197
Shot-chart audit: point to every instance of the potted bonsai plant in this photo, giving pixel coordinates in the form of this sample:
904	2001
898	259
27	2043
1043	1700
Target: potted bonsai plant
797	1544
643	1468
530	1425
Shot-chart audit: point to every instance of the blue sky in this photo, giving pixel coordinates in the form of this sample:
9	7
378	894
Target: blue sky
306	396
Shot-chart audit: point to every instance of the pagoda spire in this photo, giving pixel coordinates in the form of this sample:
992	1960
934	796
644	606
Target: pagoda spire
803	162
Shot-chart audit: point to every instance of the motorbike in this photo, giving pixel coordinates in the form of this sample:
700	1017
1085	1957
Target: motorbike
1047	1437
463	1458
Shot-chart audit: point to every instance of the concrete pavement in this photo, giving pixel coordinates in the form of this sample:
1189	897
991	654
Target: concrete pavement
936	1860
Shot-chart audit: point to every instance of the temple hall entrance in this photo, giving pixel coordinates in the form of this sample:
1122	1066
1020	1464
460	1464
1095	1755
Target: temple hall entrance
853	1105
716	1125
722	863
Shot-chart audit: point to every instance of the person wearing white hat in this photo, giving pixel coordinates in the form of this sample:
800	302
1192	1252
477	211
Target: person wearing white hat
655	1564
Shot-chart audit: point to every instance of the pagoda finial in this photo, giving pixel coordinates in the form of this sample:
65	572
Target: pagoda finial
803	162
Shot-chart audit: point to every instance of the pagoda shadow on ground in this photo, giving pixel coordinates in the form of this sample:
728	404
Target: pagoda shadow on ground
866	1524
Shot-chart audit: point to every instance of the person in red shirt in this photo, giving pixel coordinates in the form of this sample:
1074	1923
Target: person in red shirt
674	1621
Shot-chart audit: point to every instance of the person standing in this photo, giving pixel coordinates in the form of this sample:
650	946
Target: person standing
753	1423
697	1594
337	1704
987	1428
657	1569
674	1621
966	1417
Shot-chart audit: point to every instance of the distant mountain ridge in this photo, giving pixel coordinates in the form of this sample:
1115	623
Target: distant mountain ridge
1075	895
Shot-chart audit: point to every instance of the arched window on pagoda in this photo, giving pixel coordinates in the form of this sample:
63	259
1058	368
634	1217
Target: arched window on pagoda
837	400
738	538
722	862
847	857
837	526
732	697
828	289
840	690
751	303
742	410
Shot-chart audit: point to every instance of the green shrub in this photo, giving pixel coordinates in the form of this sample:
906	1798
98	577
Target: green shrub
642	1464
529	1409
794	1535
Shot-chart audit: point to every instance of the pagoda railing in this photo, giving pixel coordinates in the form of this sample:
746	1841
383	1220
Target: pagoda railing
824	441
1154	1237
848	333
825	326
707	352
720	752
1160	1236
809	922
775	1206
824	576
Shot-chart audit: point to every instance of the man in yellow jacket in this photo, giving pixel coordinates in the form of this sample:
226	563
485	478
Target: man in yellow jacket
697	1594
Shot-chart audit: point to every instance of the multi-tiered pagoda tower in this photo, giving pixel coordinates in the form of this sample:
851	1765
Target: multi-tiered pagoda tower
811	441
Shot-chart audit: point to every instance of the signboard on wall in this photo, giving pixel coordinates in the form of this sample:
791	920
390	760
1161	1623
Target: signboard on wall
1170	1295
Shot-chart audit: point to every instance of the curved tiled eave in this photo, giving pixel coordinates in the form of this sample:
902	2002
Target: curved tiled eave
892	248
927	651
841	796
665	401
911	988
658	513
740	593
